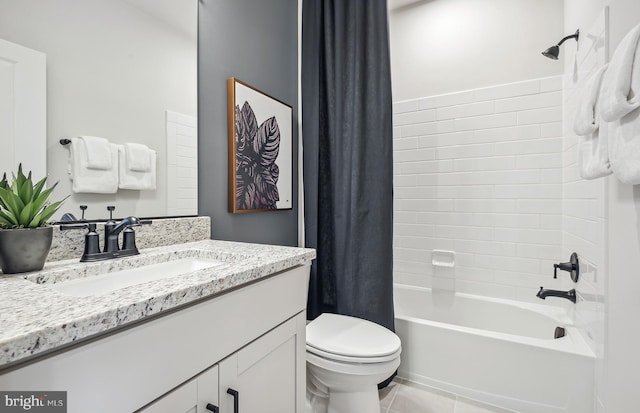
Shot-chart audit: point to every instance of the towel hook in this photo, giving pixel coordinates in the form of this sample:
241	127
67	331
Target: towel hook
65	141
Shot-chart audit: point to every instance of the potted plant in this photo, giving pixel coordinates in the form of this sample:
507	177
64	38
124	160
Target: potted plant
25	238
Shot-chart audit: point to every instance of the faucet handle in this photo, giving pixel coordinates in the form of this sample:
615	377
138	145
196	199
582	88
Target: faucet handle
573	267
83	208
111	208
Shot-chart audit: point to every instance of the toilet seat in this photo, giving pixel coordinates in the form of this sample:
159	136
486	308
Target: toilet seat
351	340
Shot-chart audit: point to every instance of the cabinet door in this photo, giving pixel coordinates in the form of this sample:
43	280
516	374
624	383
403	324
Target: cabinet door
263	374
192	397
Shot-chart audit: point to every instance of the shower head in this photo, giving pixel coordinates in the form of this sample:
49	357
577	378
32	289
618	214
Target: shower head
554	51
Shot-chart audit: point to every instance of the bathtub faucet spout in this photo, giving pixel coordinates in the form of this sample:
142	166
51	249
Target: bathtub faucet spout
569	295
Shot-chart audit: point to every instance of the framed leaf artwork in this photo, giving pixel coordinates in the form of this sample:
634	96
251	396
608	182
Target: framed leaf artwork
260	150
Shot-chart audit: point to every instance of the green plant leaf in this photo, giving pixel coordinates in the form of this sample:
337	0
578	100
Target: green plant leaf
38	203
25	215
10	201
19	180
46	213
9	218
38	187
26	192
3	181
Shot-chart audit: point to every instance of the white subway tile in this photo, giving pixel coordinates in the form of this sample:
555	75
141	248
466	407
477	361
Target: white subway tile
505	249
514	133
410	254
550	145
542	100
551	176
406	106
485	164
414	230
539	206
423	243
465	151
445	218
463	111
410	118
541	161
422	192
465	192
404	217
462	232
410	267
509	90
548	252
424	167
528	236
425	205
551	130
545	115
516	220
485	122
484	205
507	263
405	143
427	128
550	84
430	102
452	99
553	191
445	139
404	180
427	154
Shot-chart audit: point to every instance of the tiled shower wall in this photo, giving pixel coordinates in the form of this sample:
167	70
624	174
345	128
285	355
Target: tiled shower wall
583	214
479	172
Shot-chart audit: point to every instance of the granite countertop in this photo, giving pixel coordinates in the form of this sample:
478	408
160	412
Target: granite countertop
35	318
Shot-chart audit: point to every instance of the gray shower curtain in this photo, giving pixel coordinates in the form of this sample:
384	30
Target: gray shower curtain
348	165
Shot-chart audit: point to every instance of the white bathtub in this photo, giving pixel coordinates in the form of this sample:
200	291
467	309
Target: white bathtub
496	351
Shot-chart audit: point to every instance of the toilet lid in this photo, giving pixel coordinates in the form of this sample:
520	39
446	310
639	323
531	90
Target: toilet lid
351	337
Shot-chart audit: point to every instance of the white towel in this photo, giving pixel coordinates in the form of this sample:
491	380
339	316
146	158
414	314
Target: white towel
624	148
593	151
98	153
587	119
593	154
138	157
621	84
87	180
136	180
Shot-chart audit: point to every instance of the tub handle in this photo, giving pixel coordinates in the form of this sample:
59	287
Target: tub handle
560	332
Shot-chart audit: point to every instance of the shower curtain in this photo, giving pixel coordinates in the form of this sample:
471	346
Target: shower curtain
348	165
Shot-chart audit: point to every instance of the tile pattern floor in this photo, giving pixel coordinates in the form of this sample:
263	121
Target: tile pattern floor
403	396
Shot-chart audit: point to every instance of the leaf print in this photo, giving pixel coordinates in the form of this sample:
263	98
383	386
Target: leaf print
257	149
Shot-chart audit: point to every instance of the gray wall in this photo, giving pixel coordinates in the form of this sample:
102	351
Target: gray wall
255	41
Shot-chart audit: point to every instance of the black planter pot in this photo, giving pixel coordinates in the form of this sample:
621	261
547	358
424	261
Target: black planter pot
24	250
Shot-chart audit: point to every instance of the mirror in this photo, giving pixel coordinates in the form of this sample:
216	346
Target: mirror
125	70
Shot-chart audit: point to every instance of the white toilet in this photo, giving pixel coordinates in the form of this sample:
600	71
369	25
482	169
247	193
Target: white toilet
346	359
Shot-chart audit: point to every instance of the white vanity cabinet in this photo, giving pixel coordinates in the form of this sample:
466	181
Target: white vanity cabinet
192	397
250	339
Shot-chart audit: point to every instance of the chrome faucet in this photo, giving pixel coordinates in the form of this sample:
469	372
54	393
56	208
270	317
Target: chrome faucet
569	295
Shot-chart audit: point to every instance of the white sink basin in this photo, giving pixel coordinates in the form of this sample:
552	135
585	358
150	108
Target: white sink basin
105	283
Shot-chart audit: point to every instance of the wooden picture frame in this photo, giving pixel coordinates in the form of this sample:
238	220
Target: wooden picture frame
260	133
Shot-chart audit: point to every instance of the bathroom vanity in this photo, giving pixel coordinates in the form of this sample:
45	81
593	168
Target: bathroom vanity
202	326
